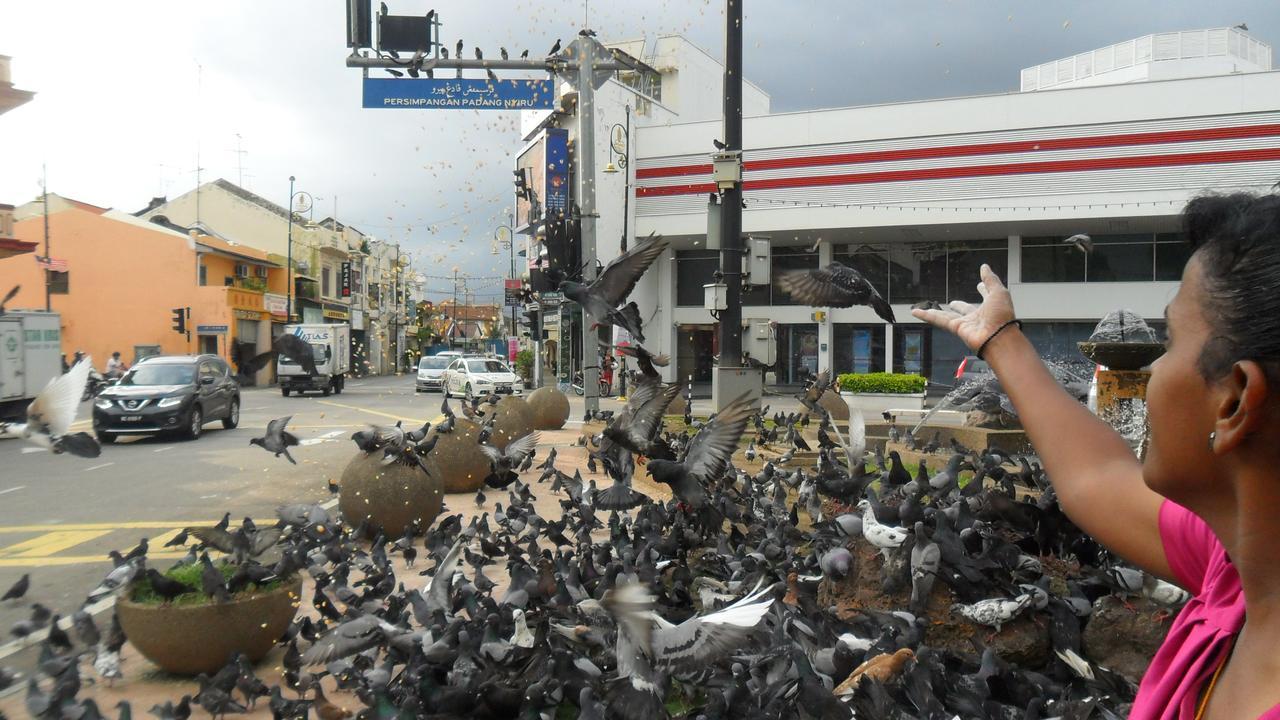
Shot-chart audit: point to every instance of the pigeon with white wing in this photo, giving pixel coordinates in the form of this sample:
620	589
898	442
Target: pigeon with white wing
51	414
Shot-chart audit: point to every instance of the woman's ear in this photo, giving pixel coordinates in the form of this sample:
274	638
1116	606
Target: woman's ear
1243	407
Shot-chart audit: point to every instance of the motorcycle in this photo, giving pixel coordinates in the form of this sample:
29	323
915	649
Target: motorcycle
96	384
578	385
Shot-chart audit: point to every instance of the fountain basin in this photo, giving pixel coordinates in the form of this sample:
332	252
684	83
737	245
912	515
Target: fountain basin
1122	355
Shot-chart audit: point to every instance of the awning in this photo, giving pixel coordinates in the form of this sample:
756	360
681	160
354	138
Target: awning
10	247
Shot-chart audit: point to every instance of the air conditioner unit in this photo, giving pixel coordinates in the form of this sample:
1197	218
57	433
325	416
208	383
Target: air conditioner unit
260	271
242	270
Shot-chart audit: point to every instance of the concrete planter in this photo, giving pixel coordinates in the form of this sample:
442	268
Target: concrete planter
193	639
390	496
876	403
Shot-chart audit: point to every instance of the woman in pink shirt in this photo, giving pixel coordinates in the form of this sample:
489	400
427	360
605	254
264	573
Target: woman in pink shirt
1204	509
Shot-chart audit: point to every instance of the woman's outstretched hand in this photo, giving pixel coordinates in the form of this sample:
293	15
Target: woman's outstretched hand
973	324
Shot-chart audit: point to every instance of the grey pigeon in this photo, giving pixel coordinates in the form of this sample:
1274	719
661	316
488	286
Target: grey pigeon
277	440
601	298
926	557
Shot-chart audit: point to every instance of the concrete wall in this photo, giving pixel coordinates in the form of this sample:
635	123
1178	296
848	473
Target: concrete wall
124	278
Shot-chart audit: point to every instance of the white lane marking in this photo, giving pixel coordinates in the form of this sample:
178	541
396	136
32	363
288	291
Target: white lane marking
98	467
163	449
327	504
13	489
65	623
327	437
26	450
259	407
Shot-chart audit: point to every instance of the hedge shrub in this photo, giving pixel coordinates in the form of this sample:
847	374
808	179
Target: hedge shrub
882	382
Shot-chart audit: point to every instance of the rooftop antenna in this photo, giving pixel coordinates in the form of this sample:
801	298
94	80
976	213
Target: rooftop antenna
199	85
239	161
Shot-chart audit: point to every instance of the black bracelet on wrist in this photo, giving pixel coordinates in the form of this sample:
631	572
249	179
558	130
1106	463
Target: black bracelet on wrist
999	330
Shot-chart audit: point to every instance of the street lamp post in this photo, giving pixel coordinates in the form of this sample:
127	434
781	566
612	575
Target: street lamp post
620	145
511	249
288	311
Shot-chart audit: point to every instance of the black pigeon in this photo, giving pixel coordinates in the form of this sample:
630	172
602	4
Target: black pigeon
166	587
645	360
286	345
277	440
555	48
836	285
9	296
18	589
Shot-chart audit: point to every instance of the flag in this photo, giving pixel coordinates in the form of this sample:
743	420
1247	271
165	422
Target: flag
53	264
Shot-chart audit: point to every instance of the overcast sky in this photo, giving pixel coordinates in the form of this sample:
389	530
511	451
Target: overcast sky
127	92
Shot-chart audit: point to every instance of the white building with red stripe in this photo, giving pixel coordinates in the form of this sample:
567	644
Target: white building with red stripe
917	195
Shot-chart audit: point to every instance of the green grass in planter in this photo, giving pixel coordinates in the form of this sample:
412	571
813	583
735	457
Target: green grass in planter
190	574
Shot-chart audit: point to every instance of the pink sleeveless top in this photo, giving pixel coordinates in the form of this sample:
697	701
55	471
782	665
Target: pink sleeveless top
1203	631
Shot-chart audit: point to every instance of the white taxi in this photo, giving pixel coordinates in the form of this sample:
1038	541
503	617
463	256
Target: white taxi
473	376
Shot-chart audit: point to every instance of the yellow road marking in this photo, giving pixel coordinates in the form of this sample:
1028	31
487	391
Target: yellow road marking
371	412
50	543
77	559
124	525
158	541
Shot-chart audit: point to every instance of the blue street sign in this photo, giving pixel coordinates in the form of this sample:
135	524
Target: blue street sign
459	94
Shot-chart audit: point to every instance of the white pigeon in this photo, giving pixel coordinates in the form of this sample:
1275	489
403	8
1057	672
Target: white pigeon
993	612
521	637
50	415
885	537
857	444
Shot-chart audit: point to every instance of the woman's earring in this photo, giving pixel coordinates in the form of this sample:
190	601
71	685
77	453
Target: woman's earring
1212	436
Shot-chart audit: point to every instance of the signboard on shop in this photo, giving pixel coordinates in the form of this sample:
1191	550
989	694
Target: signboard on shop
345	279
512	293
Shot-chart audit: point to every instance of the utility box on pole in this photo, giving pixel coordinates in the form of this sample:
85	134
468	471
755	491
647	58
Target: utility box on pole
758	266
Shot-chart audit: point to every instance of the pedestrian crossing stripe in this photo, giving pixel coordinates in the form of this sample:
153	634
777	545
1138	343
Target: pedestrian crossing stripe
50	543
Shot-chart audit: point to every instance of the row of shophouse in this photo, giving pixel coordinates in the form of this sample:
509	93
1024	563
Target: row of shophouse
221	254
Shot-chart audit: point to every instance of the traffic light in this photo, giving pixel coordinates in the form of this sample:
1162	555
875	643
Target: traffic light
180	320
522	184
530	314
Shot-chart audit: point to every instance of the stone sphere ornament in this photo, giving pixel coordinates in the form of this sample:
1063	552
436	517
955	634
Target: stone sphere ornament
390	497
550	408
456	461
515	419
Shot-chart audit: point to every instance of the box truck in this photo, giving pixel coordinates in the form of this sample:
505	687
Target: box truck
30	356
331	348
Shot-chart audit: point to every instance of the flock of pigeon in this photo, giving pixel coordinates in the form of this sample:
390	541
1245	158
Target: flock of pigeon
622	606
721	602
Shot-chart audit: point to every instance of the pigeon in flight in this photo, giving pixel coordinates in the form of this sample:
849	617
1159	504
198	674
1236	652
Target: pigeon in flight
1081	242
707	455
50	415
277	439
645	359
836	285
602	297
287	346
9	296
503	462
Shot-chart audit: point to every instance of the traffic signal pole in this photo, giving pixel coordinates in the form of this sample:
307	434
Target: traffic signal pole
731	379
585	151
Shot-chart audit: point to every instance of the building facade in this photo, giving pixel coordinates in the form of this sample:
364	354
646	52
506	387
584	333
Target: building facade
119	279
918	195
340	275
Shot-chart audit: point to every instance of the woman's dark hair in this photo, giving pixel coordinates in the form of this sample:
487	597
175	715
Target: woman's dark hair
1236	238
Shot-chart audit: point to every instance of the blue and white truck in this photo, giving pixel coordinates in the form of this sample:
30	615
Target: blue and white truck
331	347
